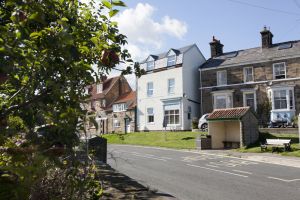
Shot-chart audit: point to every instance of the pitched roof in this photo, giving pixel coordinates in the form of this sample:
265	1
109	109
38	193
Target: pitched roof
254	55
228	113
107	85
129	98
164	54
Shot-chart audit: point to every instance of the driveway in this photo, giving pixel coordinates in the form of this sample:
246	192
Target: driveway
205	175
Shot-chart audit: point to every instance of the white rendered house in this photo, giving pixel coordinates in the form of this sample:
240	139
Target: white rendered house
168	92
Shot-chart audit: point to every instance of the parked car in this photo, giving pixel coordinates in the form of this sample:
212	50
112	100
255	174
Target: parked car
203	125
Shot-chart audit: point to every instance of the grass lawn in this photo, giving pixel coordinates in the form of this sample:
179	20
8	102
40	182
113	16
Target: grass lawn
295	144
178	140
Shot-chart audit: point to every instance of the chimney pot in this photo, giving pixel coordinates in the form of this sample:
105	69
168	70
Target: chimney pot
216	47
266	38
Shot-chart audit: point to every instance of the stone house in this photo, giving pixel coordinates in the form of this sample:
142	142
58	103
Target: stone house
265	78
102	96
121	114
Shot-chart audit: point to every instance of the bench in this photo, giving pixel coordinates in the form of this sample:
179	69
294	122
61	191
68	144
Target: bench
231	144
276	144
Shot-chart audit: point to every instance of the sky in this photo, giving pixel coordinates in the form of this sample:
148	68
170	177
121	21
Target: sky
155	26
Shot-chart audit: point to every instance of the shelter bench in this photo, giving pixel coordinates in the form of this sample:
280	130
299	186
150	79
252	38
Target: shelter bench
231	144
276	144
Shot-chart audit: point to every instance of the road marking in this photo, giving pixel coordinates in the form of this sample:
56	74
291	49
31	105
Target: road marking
212	166
155	158
244	172
285	180
216	170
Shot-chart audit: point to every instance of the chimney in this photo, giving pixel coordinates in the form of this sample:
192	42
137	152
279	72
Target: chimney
216	47
103	78
266	38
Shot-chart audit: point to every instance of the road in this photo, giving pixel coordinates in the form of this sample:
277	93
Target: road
205	175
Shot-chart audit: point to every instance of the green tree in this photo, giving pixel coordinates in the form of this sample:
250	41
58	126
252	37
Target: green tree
47	52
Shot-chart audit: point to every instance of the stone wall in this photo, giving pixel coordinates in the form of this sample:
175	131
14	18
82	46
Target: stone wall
263	77
120	117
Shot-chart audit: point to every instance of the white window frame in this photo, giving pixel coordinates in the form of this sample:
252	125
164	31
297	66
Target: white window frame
274	75
170	61
116	123
219	81
150	91
171	88
99	88
254	96
245	75
150	114
172	115
120	107
228	96
150	65
287	89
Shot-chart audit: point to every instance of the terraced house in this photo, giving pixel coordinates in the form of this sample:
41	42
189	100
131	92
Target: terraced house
167	95
266	78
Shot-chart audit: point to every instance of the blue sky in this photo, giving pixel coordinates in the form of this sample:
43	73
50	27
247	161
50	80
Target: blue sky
179	23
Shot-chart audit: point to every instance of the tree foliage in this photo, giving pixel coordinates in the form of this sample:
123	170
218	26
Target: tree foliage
49	50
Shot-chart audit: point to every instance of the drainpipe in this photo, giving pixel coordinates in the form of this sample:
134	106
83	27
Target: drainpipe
201	106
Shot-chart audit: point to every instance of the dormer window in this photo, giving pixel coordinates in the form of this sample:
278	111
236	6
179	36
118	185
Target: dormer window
150	65
171	60
99	88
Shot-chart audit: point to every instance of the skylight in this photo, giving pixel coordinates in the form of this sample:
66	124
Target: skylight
285	46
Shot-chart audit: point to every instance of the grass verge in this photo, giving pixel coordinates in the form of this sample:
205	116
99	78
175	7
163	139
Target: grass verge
255	148
177	140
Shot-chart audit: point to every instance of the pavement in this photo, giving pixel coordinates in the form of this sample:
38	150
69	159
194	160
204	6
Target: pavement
210	174
271	158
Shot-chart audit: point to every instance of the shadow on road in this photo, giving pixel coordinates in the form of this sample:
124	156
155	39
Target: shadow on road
120	186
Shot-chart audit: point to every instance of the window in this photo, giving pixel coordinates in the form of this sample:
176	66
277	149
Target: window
119	107
279	71
250	99
172	117
171	86
280	100
248	74
189	112
291	97
171	60
150	115
99	88
222	101
150	65
150	89
103	103
221	78
116	123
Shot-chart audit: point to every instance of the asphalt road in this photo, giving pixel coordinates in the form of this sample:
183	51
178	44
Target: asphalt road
205	175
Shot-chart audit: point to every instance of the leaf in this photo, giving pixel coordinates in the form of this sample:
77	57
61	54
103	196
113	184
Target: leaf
104	27
113	12
94	40
83	49
106	4
114	23
64	19
118	3
35	35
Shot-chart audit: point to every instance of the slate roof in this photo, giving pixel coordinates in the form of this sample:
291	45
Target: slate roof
254	55
164	54
228	113
107	85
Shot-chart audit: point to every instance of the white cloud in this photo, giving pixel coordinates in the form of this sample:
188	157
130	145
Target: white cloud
144	33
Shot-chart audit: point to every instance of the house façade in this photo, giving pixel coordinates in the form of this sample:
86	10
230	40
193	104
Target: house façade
265	78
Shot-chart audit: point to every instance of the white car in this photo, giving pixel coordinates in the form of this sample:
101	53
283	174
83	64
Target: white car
203	125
